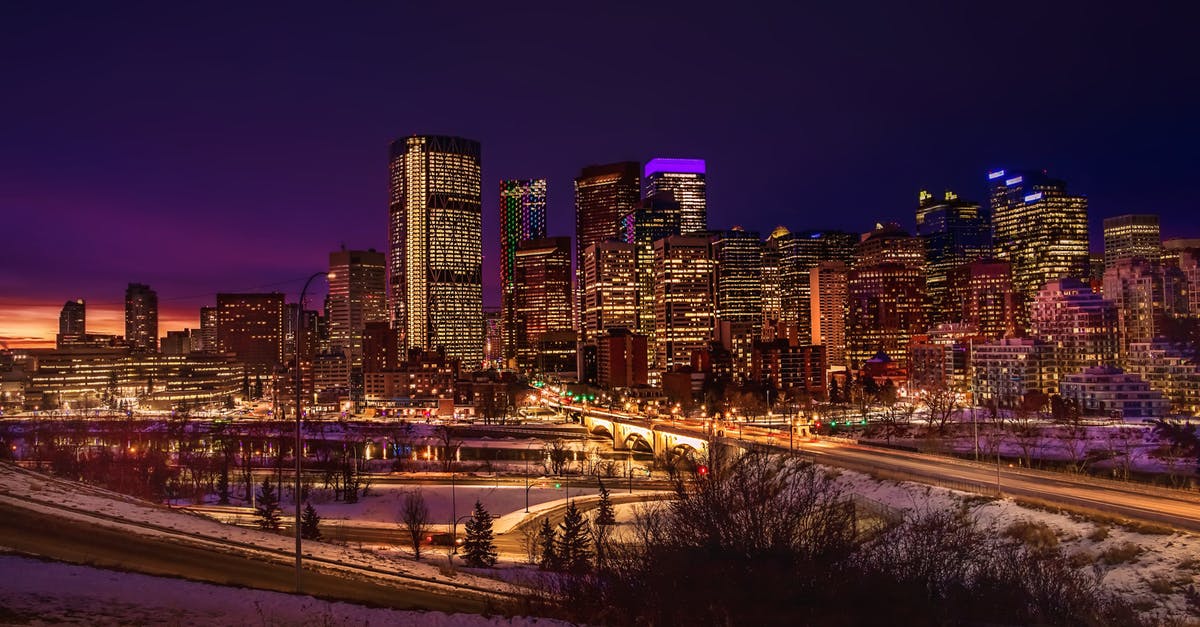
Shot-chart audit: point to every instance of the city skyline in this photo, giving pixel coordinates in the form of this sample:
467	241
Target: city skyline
227	215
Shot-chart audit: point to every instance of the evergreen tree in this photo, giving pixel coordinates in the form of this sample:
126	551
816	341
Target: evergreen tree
258	386
605	515
223	484
574	547
310	523
267	509
834	395
480	550
548	541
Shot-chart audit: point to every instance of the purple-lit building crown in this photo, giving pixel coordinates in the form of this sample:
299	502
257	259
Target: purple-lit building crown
684	179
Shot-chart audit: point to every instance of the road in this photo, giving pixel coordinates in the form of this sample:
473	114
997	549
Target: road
1174	508
68	540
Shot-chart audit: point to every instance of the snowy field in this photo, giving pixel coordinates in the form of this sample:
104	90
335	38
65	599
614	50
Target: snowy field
38	592
383	502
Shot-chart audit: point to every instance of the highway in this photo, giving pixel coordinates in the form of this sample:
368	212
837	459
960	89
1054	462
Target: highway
1089	495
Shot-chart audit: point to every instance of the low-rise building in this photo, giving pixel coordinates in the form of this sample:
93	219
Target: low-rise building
1169	368
1110	391
1005	370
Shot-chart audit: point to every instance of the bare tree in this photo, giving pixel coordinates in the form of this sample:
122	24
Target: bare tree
448	445
942	403
557	455
414	515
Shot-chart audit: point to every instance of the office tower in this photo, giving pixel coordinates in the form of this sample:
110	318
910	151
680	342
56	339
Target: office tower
1080	325
1145	294
738	257
604	194
251	326
889	244
956	232
828	295
542	276
610	300
381	347
772	288
885	308
980	294
522	218
435	257
309	339
141	317
357	291
737	254
648	221
683	299
206	337
1132	235
493	341
799	253
72	319
1039	228
1174	247
683	179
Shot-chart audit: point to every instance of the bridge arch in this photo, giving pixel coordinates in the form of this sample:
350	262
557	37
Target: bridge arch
636	441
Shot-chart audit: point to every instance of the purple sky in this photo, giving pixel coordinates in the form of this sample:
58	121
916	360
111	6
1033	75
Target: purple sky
210	147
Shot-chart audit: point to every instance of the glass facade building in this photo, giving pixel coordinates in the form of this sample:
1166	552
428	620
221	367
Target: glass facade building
684	180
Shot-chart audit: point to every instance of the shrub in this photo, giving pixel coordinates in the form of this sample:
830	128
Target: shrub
1037	535
1120	554
1099	534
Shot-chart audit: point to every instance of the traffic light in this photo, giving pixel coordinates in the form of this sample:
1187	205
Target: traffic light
702	470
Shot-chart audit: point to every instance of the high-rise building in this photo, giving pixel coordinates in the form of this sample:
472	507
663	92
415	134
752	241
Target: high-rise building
799	253
435	256
1002	372
956	232
1170	368
1039	228
885	308
889	244
621	359
828	294
611	298
1174	247
738	257
1145	294
1132	235
1078	323
177	342
493	341
141	317
981	294
357	296
684	275
251	326
772	284
542	275
206	340
604	194
648	221
72	320
683	179
522	218
1188	262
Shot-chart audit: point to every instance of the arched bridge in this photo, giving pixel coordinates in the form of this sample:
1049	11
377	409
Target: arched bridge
639	434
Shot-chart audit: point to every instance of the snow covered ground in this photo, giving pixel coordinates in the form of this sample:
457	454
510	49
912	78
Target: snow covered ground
1149	568
42	592
383	502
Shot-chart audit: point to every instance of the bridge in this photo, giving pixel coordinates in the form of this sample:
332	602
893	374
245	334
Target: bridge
638	434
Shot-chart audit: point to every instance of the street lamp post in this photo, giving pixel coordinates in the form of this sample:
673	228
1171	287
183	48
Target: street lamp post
299	451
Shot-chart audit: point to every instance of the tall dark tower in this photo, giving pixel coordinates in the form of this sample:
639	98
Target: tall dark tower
141	317
435	253
72	320
603	195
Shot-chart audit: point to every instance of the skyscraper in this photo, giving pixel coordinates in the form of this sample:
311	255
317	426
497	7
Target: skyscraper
648	221
357	290
542	276
956	232
435	257
738	258
981	295
885	308
799	253
603	195
1145	294
1039	228
206	340
72	320
141	317
522	218
683	299
828	310
684	180
888	243
252	327
611	298
1132	235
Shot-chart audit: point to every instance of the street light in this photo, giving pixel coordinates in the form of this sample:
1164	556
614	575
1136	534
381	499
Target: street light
299	451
